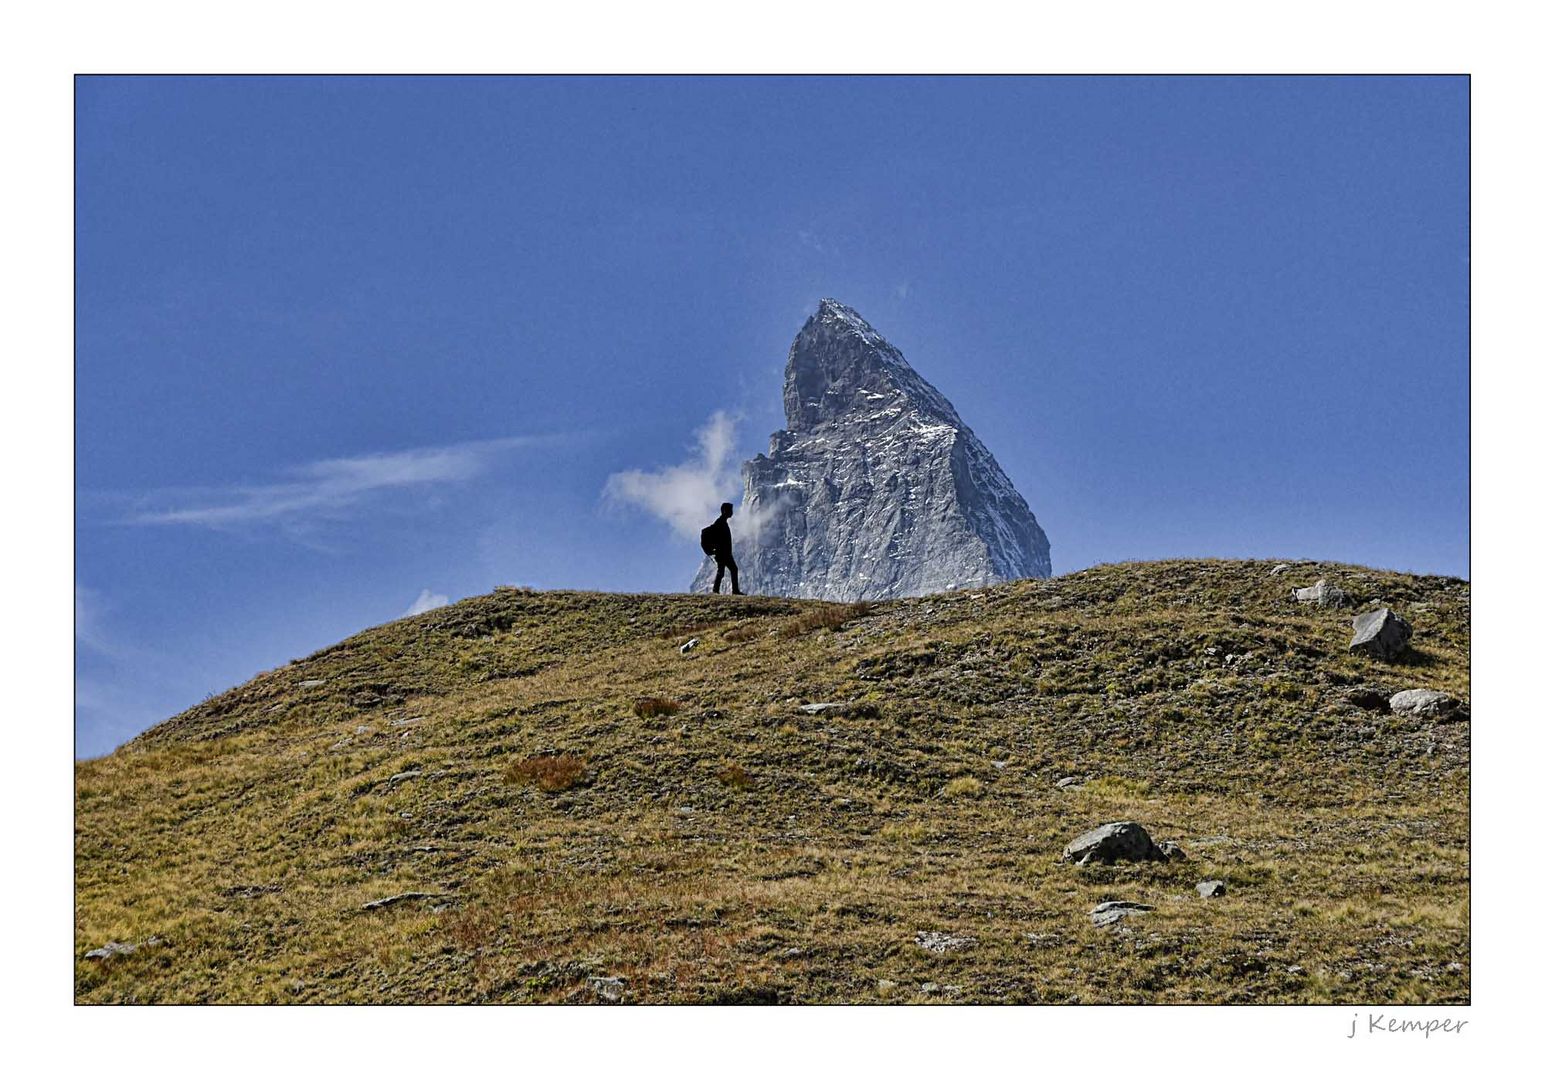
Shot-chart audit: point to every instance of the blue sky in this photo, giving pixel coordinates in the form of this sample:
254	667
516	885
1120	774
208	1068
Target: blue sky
348	346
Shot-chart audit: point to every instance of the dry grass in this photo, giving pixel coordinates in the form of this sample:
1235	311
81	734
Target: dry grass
824	617
246	834
735	776
648	707
549	772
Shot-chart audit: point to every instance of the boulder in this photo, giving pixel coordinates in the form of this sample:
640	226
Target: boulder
1322	594
1117	841
1380	634
1434	703
1113	911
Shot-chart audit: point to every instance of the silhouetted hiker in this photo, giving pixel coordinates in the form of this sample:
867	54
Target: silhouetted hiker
716	542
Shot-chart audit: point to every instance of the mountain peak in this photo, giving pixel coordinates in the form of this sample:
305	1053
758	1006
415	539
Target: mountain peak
840	365
877	488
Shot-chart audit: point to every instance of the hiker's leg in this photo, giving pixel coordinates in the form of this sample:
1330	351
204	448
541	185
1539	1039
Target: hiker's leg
734	577
720	575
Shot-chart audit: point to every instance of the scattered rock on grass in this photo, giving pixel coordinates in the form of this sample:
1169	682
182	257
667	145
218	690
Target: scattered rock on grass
608	987
1281	567
1210	889
388	901
1427	703
818	707
939	942
688	646
1172	850
1113	911
114	949
1118	840
1070	782
1380	634
1322	594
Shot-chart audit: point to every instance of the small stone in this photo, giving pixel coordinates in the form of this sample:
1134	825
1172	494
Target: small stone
690	644
1172	851
1322	594
1281	567
114	949
938	942
307	684
405	721
388	901
608	987
1380	634
1113	911
818	708
1210	889
1117	841
930	988
1433	703
1070	782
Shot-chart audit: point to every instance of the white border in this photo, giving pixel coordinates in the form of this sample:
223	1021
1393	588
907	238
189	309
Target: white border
46	45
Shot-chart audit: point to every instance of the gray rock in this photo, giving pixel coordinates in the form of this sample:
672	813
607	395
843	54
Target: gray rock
936	941
608	987
1380	634
1113	911
1209	889
1070	782
688	646
1172	851
388	901
1117	841
1280	568
819	707
114	949
307	684
1434	703
877	488
1322	594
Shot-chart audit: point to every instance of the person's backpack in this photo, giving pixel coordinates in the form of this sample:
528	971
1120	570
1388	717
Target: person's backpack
707	539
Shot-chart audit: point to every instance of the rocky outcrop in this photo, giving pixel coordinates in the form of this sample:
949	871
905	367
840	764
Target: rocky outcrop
1381	634
876	489
1124	841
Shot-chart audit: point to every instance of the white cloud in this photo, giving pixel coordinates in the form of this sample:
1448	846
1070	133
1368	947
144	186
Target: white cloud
333	487
685	496
427	601
88	619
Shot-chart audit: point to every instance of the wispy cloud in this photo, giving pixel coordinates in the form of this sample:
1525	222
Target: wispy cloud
88	620
332	488
427	601
685	496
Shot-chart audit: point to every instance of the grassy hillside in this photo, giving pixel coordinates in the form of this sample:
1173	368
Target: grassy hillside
591	814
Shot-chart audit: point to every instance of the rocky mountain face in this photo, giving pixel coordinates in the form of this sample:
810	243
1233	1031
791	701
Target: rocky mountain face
876	489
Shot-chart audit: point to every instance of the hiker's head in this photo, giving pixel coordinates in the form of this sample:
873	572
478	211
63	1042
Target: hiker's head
726	509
